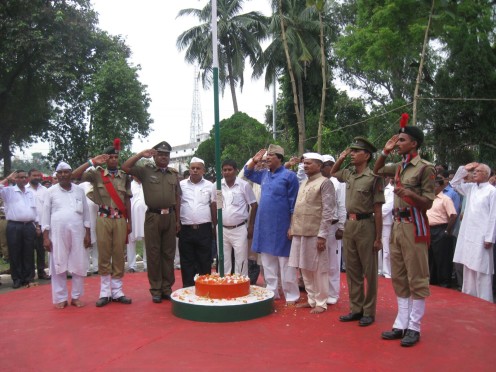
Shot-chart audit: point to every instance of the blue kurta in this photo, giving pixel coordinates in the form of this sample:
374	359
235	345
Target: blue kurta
277	200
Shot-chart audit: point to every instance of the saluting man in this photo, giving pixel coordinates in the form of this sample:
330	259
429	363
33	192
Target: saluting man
111	192
414	194
362	231
162	196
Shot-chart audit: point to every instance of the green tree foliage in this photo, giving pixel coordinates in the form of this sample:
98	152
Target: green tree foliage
239	37
241	137
58	73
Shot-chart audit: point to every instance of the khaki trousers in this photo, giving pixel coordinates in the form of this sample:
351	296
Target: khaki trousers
111	240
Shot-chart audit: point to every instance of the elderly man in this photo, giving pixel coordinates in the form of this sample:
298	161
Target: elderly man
414	193
310	226
20	210
239	209
363	229
474	247
335	237
111	192
271	235
198	221
162	194
66	233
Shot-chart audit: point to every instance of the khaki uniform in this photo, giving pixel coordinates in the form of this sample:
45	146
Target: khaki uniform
160	190
4	249
110	232
410	259
362	192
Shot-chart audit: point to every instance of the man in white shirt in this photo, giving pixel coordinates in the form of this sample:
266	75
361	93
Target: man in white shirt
198	221
35	177
66	234
22	220
238	199
334	241
474	246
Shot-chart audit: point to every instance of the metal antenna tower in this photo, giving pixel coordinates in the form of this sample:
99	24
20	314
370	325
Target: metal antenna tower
196	128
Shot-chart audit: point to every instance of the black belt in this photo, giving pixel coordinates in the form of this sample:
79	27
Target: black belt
21	222
233	227
161	211
358	216
334	222
196	227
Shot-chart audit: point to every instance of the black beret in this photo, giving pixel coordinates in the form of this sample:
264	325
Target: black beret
414	132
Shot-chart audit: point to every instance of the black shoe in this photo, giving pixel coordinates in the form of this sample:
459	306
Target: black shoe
157	299
366	321
44	276
102	301
123	300
16	284
166	297
394	334
411	338
350	317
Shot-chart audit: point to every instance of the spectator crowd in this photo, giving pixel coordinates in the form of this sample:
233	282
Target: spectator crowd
298	221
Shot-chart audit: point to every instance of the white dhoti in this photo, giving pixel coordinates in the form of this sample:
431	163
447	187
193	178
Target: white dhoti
334	272
477	284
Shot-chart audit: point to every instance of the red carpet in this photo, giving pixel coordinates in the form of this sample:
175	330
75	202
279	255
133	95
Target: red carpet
458	334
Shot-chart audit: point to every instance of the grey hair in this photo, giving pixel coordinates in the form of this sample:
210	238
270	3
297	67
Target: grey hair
487	169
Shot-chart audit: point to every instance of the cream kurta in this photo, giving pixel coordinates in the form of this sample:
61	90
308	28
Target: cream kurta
478	224
65	215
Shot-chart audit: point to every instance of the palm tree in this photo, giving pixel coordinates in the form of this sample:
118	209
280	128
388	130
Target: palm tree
239	37
295	44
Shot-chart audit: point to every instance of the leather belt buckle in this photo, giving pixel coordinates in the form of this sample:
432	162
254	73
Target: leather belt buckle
165	211
195	227
352	216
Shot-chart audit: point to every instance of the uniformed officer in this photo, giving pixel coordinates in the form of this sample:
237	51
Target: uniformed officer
162	197
414	193
111	192
362	230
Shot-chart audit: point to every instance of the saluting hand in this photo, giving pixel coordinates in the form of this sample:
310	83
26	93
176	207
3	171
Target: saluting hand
389	146
148	153
100	159
259	155
345	153
471	166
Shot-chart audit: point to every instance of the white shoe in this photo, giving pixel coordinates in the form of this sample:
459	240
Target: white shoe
332	301
387	276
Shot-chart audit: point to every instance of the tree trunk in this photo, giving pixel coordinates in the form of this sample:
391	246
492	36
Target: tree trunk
301	105
301	128
233	87
6	155
324	86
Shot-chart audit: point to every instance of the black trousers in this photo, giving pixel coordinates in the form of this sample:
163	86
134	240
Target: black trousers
40	254
195	250
20	239
440	256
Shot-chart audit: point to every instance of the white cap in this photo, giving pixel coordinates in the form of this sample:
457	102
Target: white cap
196	160
63	166
326	158
313	155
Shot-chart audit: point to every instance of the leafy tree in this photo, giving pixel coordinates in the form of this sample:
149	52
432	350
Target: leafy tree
239	37
241	137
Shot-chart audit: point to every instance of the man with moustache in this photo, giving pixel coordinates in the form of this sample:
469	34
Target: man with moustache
162	195
22	218
66	234
111	192
35	178
414	194
362	231
198	221
272	225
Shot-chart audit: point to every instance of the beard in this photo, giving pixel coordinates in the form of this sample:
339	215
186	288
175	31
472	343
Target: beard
34	182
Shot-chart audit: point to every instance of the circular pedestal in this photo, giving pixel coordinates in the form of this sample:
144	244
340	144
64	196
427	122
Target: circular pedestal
187	305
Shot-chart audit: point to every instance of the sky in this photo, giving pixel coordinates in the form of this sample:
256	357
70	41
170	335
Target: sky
150	29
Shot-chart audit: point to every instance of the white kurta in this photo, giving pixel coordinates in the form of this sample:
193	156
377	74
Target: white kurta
478	224
65	215
138	211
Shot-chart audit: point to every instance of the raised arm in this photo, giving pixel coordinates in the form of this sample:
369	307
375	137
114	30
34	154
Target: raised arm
93	162
129	163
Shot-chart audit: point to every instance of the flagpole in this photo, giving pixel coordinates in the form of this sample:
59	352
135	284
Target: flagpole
218	171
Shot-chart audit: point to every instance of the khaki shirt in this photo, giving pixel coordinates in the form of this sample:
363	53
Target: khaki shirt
417	176
121	182
159	189
362	190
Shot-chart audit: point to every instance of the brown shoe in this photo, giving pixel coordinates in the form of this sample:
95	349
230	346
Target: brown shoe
77	302
61	305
